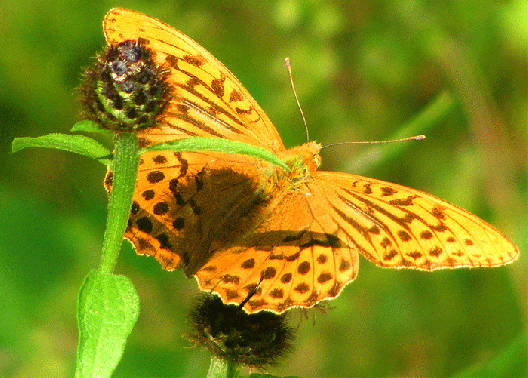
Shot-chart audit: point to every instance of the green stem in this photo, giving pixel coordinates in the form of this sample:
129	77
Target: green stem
124	168
221	368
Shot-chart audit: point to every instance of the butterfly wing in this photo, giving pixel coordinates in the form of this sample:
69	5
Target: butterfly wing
207	214
295	257
399	227
207	100
306	249
186	205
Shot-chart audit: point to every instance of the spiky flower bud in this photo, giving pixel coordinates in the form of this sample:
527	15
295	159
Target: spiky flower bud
124	90
255	340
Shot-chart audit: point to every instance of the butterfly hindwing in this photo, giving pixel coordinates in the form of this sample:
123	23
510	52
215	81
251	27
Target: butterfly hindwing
295	257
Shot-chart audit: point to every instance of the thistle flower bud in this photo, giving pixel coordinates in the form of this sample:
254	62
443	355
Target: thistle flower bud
124	90
255	340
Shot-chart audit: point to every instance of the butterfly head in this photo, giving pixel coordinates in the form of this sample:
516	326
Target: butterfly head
125	90
302	161
305	157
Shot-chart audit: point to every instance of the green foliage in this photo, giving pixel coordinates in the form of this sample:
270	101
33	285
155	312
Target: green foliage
222	145
108	308
361	70
108	305
512	359
88	126
422	123
78	144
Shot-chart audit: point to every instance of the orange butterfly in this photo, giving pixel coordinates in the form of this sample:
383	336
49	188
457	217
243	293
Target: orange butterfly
250	231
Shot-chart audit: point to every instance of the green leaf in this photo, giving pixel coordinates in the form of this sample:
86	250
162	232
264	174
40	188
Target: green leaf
78	144
107	310
87	126
220	145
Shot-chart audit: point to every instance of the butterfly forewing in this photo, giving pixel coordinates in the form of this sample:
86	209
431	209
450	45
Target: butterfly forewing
400	227
207	100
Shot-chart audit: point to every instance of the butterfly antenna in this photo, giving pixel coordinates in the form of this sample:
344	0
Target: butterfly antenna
416	137
288	66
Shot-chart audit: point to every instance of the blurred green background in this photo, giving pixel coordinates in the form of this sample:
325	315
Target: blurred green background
362	71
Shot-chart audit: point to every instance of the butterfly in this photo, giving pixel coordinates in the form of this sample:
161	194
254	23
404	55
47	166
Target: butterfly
254	233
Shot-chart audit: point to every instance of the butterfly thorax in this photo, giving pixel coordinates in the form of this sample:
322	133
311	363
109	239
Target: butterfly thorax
302	161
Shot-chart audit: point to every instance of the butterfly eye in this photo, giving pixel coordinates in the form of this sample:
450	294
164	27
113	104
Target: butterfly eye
317	159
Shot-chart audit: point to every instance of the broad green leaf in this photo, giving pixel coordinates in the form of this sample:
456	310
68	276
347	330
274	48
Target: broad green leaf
107	310
78	144
87	126
220	145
